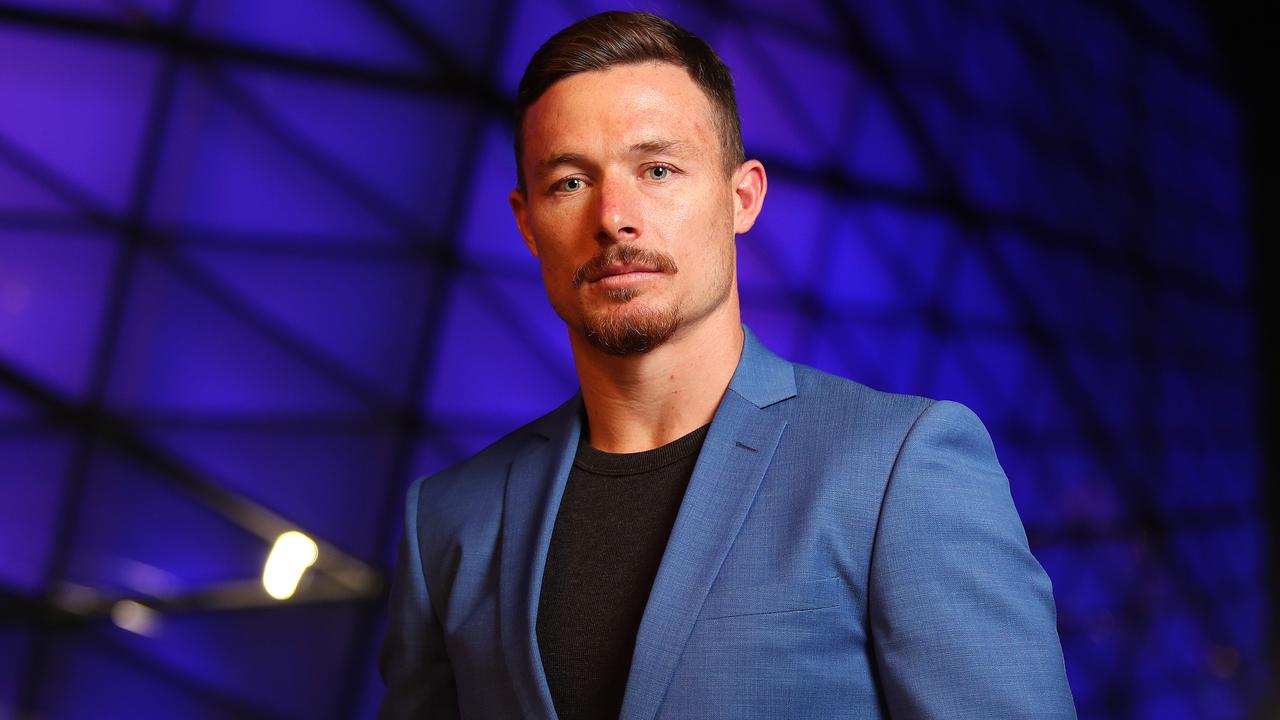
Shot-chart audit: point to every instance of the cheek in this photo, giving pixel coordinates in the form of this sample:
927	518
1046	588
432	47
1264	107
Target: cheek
705	230
548	242
685	222
559	230
557	266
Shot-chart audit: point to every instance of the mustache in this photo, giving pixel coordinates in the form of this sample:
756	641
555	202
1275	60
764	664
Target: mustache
653	260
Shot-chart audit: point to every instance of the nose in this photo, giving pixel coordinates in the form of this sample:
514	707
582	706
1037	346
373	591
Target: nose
620	216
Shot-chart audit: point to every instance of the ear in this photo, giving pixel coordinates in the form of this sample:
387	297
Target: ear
520	208
749	186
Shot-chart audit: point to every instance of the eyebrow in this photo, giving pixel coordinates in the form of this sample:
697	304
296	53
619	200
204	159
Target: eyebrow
648	147
561	159
658	147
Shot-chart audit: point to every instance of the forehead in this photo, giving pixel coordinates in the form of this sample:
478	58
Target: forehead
600	111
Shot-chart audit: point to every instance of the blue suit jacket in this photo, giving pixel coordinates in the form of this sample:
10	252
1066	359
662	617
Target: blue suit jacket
840	552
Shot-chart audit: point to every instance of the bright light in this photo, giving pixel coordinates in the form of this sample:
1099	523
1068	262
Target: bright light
134	617
292	554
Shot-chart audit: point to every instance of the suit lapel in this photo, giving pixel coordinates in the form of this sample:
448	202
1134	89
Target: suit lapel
734	458
532	498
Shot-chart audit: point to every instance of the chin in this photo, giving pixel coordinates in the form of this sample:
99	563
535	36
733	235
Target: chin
631	329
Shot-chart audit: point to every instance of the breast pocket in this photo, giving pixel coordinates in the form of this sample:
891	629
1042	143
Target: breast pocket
791	596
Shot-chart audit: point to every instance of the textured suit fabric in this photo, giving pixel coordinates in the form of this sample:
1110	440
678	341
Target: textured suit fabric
839	553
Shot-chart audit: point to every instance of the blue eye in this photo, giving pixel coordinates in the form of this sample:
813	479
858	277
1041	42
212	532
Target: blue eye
659	172
571	184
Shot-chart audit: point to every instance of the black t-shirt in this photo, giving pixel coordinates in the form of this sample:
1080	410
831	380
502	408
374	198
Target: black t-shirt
610	533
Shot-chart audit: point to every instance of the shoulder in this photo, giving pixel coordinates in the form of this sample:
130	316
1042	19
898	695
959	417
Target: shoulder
836	408
824	412
836	402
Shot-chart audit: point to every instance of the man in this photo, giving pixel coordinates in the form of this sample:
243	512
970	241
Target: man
705	530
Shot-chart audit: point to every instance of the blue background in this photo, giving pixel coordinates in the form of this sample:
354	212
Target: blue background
258	271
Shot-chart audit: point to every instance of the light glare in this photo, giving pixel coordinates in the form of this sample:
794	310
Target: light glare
290	557
134	617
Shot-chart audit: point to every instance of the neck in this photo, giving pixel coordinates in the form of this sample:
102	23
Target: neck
641	402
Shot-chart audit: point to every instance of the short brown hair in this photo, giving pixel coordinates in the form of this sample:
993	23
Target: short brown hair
622	38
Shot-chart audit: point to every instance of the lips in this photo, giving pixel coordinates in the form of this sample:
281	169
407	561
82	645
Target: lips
621	269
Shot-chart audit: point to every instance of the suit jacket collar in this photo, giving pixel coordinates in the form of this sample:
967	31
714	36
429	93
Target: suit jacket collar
534	487
735	455
762	378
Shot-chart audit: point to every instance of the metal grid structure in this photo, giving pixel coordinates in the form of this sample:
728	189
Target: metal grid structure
257	272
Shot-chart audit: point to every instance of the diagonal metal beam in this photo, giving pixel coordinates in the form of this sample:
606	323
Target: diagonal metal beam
115	432
430	328
174	39
35	674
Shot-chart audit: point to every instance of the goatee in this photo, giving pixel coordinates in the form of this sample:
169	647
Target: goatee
618	329
621	333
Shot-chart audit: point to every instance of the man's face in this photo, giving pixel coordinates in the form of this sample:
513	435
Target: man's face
629	209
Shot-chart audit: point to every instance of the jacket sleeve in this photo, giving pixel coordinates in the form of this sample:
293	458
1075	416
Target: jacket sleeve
414	665
962	618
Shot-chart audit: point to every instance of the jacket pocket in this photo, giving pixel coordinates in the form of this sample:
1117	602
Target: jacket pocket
771	598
